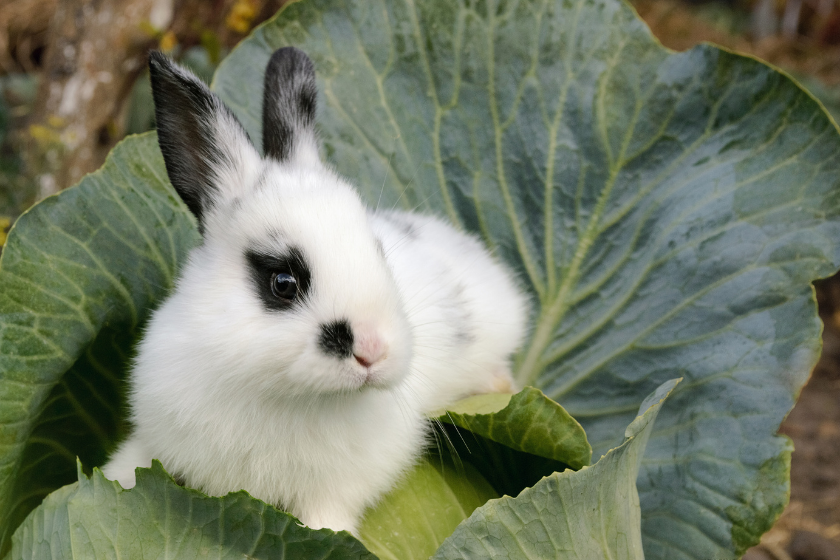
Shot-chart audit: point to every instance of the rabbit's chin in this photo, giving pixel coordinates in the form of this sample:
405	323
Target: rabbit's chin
348	388
312	378
375	380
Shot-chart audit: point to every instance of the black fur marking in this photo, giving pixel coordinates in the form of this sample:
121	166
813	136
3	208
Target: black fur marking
337	339
288	101
263	266
186	112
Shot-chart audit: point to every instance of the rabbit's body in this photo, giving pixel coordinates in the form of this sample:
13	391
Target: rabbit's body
324	460
466	314
306	336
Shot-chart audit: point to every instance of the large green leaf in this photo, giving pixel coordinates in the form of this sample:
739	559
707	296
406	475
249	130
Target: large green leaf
412	520
527	421
512	440
666	211
592	513
96	518
79	274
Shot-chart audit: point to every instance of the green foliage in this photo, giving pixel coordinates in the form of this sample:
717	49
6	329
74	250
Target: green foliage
527	421
514	440
585	513
96	518
593	513
667	213
422	511
511	442
80	273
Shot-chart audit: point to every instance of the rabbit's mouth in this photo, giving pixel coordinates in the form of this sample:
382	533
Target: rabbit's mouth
375	376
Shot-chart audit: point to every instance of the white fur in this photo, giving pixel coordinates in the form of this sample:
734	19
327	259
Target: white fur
466	313
229	395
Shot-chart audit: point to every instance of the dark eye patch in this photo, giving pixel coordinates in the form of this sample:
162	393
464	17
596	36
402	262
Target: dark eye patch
264	269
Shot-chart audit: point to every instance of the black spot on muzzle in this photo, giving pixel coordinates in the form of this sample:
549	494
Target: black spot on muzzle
336	339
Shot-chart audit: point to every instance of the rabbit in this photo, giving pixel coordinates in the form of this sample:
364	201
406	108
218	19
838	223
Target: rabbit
307	335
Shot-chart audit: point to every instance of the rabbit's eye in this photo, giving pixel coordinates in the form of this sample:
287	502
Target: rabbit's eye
280	280
283	286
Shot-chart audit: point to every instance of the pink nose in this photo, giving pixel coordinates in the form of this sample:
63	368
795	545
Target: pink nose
368	347
362	361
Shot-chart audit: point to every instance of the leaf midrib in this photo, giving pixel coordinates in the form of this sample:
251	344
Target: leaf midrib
576	379
534	361
529	368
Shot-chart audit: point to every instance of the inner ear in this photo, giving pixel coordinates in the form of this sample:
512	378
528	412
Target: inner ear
289	101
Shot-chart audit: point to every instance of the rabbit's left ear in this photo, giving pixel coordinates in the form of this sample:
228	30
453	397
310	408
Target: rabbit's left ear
289	107
208	154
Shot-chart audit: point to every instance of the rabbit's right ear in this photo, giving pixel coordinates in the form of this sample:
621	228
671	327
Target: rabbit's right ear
289	107
207	152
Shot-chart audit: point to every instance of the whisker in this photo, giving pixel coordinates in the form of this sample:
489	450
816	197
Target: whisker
385	176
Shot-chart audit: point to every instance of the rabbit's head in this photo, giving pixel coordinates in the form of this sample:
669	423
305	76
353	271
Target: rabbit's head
290	289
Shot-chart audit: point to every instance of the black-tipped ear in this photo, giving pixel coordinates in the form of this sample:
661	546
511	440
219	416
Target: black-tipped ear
199	137
289	106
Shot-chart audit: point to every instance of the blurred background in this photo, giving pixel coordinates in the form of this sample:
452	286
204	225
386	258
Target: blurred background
73	82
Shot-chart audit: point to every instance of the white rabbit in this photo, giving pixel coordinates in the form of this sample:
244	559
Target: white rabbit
306	335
